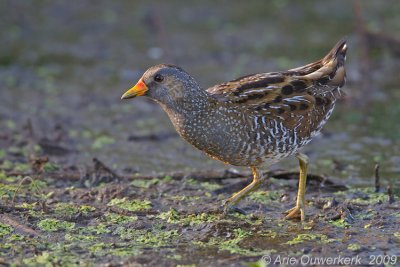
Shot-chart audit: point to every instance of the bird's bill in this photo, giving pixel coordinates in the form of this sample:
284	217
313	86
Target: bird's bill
139	89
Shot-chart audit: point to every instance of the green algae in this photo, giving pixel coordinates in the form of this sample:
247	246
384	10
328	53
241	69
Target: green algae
127	233
210	186
80	238
320	238
8	179
5	246
184	198
173	216
65	78
100	248
21	167
249	218
3	153
53	225
85	209
52	259
167	179
5	229
193	219
354	247
157	238
365	196
373	198
268	233
397	235
154	237
36	213
51	167
130	205
113	218
128	250
260	263
145	183
26	205
266	197
340	223
72	209
192	182
65	208
98	229
16	237
101	141
7	191
6	165
231	243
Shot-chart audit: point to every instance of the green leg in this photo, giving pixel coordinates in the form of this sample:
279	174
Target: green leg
298	210
233	200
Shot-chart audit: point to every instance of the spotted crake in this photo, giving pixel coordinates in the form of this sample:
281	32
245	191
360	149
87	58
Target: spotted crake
255	120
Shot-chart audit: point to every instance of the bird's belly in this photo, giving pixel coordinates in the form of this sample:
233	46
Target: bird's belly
242	142
239	148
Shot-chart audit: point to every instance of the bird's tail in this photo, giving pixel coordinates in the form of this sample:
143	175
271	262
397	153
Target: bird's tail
329	70
338	54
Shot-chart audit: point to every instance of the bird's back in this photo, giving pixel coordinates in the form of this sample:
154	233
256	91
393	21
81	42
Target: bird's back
283	110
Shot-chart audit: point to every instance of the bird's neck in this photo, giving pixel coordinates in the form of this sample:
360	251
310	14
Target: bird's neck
197	104
190	103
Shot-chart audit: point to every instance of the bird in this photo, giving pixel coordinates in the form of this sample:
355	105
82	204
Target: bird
255	120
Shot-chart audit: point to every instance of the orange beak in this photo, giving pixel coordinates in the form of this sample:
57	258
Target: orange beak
138	90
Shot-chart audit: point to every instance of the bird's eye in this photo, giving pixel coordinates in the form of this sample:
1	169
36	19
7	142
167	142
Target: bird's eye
158	78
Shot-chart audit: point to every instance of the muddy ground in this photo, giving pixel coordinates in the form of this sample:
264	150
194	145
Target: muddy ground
88	180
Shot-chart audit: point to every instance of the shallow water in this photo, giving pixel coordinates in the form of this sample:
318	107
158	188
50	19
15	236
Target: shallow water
67	66
63	68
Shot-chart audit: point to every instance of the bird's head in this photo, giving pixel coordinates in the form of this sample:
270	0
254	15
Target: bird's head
167	84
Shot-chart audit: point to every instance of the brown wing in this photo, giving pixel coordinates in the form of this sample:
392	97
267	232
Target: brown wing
291	94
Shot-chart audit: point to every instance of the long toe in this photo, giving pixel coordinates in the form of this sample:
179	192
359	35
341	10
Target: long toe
296	212
289	210
227	206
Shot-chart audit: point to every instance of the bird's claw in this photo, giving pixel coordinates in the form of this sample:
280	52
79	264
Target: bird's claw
296	212
228	206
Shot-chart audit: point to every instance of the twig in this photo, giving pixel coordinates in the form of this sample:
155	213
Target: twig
26	178
8	209
98	165
197	175
79	217
390	193
31	138
6	219
132	213
377	178
38	163
52	148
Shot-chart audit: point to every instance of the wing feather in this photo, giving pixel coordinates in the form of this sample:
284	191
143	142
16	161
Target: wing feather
306	91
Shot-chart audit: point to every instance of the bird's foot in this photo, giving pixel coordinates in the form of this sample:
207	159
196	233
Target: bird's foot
228	205
296	212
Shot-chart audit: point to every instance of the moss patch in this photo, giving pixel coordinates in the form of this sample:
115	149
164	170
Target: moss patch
5	229
173	216
131	205
53	225
320	238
